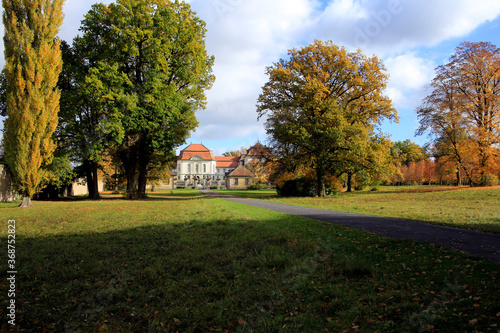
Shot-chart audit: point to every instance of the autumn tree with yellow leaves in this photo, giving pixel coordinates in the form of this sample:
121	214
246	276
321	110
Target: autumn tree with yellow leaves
32	66
322	105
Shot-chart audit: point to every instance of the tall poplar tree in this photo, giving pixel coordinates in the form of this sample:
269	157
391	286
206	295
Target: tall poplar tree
33	63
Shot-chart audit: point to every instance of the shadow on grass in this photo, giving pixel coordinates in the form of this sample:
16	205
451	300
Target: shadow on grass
189	277
244	275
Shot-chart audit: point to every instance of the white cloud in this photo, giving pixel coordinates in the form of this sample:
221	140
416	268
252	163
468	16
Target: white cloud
393	26
409	75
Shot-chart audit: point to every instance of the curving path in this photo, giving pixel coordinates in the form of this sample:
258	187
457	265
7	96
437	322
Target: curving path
472	242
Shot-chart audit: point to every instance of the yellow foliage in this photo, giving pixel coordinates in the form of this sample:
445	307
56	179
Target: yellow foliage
33	63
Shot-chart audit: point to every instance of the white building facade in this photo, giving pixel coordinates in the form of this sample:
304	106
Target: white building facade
197	166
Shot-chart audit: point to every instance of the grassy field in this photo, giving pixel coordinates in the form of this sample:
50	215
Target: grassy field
189	263
465	207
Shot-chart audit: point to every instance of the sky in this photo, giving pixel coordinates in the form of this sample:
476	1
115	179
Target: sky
411	37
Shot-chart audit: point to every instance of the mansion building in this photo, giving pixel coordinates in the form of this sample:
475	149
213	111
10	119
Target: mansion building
197	166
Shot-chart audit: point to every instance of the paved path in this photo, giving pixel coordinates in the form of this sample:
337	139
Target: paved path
473	242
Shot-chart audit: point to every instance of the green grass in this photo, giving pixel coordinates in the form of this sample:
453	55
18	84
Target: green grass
253	194
465	207
211	265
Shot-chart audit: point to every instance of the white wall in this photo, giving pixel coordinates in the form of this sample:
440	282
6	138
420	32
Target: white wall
7	192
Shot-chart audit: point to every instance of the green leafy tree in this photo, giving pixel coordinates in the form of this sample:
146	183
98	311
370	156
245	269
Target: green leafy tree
159	46
58	177
405	152
372	161
234	153
322	105
33	63
91	102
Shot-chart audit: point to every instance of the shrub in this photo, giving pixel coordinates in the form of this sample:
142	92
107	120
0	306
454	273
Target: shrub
306	187
361	180
333	185
257	187
300	187
376	185
490	180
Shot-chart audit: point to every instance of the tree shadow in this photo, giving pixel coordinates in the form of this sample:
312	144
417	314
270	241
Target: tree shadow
139	279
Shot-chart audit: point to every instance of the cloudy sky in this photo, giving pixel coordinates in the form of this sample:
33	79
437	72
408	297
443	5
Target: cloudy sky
412	37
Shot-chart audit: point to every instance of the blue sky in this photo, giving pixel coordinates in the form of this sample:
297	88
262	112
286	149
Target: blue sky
412	37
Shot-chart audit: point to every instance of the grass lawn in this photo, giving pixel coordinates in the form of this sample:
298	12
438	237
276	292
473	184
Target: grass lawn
465	207
252	194
163	265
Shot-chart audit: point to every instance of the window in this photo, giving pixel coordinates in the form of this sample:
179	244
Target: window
196	168
189	168
235	181
246	181
204	168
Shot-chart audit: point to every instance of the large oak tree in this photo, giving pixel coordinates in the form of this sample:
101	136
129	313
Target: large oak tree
322	105
33	63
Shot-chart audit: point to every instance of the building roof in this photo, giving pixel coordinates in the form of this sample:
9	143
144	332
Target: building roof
227	161
258	150
241	171
196	150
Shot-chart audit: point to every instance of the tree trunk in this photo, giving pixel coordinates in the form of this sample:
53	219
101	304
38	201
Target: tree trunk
95	180
141	191
349	182
459	177
116	181
89	175
26	202
92	179
129	161
130	173
143	171
321	188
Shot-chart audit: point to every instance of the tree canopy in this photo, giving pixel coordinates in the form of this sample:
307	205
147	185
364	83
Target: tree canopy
323	105
90	116
149	58
462	113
